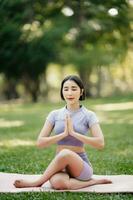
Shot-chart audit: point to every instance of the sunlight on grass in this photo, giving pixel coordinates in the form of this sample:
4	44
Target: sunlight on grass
114	106
10	105
16	142
104	119
6	123
124	152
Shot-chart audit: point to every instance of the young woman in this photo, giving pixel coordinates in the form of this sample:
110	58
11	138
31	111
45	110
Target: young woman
70	168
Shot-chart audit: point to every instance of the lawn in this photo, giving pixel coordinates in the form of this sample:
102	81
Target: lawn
20	125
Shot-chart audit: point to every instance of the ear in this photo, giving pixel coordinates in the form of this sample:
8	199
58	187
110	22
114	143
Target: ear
81	92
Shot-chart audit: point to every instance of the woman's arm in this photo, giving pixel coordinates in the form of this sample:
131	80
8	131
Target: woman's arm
44	140
97	139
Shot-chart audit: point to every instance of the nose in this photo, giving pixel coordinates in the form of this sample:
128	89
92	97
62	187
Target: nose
69	92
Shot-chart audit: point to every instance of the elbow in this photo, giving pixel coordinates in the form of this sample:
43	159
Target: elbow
39	144
42	143
101	145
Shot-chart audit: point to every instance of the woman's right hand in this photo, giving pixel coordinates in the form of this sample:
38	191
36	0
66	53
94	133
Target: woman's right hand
65	133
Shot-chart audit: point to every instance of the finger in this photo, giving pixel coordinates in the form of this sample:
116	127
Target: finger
69	119
66	122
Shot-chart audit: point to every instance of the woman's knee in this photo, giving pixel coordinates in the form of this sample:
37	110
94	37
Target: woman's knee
59	183
64	154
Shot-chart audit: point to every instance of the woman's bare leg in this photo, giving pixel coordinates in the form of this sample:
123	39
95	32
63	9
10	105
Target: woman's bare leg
77	184
63	159
62	181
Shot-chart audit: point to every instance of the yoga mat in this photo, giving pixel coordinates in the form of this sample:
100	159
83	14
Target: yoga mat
120	183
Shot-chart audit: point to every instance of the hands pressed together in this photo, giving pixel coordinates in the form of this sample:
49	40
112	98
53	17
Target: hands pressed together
68	126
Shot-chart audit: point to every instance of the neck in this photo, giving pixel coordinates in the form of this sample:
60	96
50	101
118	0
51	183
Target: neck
73	107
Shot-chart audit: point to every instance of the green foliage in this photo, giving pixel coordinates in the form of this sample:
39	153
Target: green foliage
34	33
98	38
28	43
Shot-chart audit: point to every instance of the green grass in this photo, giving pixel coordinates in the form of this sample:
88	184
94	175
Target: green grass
18	153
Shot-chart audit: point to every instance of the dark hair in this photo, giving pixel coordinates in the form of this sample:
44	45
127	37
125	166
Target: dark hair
78	81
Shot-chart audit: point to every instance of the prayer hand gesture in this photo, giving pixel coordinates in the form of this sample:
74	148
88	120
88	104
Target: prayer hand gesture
70	126
66	132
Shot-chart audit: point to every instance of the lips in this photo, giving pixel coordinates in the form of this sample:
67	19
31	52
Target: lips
70	98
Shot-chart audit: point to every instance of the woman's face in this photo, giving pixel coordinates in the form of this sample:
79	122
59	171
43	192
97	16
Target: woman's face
71	92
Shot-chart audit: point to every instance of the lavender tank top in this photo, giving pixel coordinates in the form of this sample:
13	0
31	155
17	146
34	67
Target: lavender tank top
82	120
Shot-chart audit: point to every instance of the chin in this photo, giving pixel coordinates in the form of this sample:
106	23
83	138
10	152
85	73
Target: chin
70	102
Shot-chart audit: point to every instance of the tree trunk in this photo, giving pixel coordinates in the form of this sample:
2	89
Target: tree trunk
35	91
85	76
31	87
10	91
99	81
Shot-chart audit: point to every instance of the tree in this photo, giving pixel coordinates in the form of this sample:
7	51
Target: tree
29	41
100	35
87	33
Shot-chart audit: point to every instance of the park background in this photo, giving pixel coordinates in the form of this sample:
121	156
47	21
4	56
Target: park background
40	43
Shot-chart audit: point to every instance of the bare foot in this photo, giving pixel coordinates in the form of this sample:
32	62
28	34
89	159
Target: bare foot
22	183
98	181
102	181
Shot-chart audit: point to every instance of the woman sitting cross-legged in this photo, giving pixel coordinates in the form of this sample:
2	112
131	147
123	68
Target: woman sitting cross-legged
70	168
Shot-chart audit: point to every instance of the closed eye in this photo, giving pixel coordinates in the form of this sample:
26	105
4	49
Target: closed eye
73	88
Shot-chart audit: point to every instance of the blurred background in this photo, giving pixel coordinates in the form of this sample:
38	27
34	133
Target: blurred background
43	41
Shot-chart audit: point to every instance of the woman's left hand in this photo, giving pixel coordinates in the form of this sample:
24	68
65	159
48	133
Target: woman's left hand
70	126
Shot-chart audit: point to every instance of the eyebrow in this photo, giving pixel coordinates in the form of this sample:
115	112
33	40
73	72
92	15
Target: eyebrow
72	87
